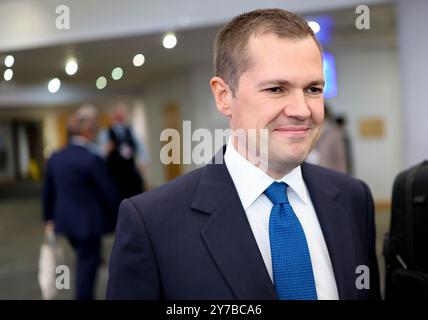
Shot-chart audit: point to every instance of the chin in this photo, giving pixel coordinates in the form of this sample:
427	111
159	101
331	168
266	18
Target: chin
289	160
292	152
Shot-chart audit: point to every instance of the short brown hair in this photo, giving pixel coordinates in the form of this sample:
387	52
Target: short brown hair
230	58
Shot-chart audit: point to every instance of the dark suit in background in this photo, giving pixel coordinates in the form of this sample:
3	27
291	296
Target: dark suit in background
121	162
190	239
81	199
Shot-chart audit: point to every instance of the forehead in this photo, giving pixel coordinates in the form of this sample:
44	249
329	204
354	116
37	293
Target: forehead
272	56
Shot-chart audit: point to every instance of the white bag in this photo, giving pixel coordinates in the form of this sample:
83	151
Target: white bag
51	255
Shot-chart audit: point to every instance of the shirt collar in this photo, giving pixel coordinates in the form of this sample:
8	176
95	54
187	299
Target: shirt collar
119	129
85	143
251	182
79	141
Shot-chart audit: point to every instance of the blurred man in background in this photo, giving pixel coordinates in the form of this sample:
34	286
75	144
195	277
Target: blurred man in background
80	198
125	155
342	124
330	150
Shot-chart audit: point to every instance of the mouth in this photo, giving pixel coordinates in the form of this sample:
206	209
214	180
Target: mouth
293	131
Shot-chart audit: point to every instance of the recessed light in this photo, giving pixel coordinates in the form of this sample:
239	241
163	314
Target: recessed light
54	85
71	67
138	60
117	73
8	74
315	26
9	61
101	83
169	40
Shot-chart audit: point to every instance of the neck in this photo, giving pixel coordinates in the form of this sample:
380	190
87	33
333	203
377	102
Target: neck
81	138
278	173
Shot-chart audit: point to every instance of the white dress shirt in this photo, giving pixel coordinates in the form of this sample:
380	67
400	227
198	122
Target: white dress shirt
251	182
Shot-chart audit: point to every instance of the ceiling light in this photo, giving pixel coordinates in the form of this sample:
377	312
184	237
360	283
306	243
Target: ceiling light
101	83
54	85
71	67
9	61
169	41
315	26
8	74
117	73
138	60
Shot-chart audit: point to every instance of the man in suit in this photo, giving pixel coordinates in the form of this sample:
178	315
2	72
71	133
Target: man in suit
80	199
126	156
330	150
235	230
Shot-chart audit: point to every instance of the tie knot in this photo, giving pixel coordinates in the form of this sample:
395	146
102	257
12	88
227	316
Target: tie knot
277	193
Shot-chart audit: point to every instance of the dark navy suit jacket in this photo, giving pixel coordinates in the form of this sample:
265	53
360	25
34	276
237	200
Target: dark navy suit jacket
190	239
79	194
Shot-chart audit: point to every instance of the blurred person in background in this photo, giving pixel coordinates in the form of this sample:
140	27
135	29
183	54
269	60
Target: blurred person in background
125	155
80	199
342	124
330	150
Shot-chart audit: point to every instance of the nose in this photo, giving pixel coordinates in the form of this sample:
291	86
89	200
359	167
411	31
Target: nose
297	106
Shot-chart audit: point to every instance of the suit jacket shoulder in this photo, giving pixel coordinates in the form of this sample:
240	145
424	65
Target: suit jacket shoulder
170	199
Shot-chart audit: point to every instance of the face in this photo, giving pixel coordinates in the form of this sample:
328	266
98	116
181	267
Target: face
91	130
120	114
281	91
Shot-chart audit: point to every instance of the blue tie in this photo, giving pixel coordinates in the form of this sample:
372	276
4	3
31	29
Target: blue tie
291	263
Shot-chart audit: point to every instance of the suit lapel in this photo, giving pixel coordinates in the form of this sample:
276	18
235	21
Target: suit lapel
336	227
228	235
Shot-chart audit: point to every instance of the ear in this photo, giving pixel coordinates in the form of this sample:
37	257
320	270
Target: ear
222	95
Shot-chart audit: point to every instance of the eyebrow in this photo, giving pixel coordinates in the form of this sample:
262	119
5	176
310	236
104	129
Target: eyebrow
288	83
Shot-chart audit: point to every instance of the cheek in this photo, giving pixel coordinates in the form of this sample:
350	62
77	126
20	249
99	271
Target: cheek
240	115
317	112
251	113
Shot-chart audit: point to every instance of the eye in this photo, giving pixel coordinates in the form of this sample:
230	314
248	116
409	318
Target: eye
314	90
275	90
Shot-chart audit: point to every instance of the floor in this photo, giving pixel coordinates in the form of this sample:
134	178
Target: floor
21	234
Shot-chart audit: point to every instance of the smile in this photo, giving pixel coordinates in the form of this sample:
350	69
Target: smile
299	131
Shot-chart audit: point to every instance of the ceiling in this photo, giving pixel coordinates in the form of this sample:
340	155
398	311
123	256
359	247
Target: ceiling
97	58
28	24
